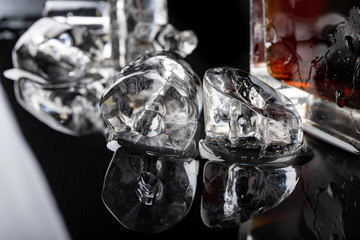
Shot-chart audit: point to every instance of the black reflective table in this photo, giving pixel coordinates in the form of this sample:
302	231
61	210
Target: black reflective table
324	205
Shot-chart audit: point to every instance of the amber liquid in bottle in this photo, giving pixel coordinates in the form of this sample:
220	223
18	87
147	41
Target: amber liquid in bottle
314	45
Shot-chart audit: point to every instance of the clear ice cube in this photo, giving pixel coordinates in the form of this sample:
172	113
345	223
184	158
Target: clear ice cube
147	16
343	55
147	192
243	115
168	39
60	74
236	192
154	102
59	52
57	60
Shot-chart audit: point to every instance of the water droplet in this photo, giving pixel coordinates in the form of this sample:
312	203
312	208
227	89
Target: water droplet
340	97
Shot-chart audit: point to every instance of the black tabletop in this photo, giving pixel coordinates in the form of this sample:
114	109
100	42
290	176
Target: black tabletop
324	204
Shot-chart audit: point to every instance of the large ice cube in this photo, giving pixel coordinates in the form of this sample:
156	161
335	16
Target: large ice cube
167	39
154	102
243	115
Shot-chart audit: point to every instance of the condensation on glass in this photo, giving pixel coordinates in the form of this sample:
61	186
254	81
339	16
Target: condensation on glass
309	50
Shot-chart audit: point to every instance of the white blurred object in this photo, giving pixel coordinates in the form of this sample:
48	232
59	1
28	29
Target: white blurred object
27	208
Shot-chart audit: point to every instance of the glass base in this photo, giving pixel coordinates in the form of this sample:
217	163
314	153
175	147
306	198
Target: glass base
321	118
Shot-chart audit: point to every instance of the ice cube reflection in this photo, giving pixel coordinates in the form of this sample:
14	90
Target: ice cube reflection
236	192
239	187
149	192
325	203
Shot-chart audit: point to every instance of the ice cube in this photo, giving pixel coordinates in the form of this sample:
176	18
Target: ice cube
154	102
243	115
149	192
141	27
60	74
59	52
167	39
152	32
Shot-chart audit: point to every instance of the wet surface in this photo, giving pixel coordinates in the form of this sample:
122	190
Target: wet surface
324	205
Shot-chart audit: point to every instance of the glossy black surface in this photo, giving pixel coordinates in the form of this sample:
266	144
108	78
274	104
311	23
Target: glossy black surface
324	205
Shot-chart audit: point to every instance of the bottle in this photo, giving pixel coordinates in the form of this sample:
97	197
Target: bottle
310	51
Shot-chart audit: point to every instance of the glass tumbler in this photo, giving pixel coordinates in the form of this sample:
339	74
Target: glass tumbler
310	51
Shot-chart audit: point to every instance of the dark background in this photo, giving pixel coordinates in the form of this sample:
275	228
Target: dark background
75	166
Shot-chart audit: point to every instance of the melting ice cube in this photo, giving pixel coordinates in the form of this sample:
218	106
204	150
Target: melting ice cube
243	115
154	102
69	109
